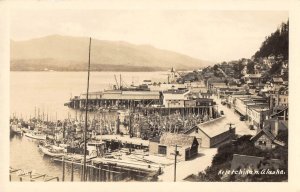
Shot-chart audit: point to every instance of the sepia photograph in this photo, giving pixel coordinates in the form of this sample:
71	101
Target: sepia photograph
117	95
148	95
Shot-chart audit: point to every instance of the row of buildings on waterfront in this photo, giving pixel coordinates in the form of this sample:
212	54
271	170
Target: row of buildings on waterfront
260	98
261	102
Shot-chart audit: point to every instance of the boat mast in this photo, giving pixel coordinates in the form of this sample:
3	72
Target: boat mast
86	112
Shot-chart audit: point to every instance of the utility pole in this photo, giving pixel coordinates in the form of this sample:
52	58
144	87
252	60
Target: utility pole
176	153
86	112
175	162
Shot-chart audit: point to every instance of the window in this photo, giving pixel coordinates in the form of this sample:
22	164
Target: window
162	149
263	143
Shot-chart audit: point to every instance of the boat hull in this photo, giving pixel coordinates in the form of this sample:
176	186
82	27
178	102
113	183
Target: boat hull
37	137
47	152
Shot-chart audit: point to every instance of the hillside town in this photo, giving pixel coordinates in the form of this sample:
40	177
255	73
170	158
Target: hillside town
225	122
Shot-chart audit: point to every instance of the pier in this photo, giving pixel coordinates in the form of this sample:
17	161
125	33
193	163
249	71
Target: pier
103	169
24	175
112	98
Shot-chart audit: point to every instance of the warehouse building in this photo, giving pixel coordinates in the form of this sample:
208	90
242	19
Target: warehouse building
212	133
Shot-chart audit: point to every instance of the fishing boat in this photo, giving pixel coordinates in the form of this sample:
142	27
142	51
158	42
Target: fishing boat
15	128
51	151
36	135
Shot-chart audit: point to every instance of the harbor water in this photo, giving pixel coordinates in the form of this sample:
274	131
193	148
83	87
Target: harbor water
44	93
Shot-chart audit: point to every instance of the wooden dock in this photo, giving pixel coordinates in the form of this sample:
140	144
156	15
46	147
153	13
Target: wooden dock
29	176
104	169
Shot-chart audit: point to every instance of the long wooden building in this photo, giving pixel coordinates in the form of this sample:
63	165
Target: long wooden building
126	99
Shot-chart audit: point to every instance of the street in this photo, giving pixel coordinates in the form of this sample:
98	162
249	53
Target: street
186	168
241	127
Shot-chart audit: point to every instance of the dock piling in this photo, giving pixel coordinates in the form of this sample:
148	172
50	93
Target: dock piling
63	169
72	171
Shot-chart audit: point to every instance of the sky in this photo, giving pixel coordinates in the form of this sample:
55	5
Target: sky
208	35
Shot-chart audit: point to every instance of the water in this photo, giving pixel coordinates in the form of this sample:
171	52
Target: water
47	92
24	154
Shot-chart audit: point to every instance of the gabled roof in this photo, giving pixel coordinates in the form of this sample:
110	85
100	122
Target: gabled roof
265	131
170	139
215	127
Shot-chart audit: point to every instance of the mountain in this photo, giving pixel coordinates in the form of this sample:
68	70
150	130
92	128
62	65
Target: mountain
66	53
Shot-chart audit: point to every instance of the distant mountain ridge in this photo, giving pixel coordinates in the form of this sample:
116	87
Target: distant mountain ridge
66	53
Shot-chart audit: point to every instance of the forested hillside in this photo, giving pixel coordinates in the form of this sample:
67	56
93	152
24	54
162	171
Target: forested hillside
276	44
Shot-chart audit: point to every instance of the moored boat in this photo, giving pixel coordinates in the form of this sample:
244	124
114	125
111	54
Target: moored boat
36	135
52	152
16	129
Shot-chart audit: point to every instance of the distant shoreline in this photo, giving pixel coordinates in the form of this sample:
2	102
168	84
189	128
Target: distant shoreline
91	71
120	70
86	71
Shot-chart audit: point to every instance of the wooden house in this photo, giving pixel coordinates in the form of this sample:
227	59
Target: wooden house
266	140
187	146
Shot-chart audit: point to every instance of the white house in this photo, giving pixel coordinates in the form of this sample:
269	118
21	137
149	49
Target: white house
175	98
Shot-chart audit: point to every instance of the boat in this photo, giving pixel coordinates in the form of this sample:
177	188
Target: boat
36	135
52	152
16	129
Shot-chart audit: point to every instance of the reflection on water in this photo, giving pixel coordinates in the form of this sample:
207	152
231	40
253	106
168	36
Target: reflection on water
24	154
47	92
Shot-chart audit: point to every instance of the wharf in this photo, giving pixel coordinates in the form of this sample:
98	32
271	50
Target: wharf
128	164
23	175
108	169
124	139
